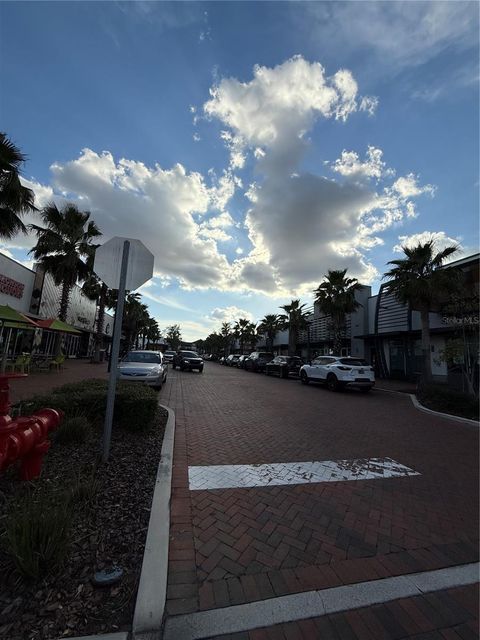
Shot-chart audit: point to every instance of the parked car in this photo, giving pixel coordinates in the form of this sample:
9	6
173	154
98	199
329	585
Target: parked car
187	360
241	362
284	366
339	372
168	356
257	360
143	366
232	359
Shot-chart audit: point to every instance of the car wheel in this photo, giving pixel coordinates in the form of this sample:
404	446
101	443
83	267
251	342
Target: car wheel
332	383
283	373
200	370
174	366
365	389
304	378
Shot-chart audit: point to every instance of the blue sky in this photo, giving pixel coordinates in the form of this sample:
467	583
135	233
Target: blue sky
251	146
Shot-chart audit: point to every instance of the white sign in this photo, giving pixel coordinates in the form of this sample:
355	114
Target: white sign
108	262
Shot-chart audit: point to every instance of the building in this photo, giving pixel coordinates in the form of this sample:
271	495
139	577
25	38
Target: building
393	339
388	334
35	294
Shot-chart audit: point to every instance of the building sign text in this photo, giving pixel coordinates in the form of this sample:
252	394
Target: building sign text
11	287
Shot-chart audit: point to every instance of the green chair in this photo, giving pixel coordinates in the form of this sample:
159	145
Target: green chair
19	364
27	362
57	362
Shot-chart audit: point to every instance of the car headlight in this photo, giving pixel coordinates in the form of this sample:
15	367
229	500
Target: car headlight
153	373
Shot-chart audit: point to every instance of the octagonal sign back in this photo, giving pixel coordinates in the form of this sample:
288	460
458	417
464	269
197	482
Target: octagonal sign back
108	262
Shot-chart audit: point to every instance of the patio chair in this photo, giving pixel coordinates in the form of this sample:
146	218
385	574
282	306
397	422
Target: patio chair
57	362
27	361
19	364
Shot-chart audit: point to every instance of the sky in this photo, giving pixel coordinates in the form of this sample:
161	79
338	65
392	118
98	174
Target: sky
251	146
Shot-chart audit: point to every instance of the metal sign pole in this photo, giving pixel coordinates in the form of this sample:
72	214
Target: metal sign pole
117	332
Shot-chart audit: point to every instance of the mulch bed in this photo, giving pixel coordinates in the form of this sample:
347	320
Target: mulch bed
108	530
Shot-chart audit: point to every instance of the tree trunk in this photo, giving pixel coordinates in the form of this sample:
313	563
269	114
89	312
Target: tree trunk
292	341
337	336
100	323
426	348
64	301
62	315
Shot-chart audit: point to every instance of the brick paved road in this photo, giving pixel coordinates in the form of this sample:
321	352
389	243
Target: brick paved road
234	546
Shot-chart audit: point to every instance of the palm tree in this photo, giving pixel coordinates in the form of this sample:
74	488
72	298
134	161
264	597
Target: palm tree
173	336
214	343
226	335
153	333
336	297
270	326
419	281
242	331
105	298
294	319
63	247
15	199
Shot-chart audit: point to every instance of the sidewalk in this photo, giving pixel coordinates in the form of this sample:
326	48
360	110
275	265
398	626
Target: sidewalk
44	382
402	386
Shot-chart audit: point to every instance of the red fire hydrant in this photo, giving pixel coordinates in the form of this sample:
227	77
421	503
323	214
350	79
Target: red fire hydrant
25	438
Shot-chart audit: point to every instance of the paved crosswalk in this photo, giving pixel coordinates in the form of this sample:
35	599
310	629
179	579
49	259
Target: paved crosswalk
290	473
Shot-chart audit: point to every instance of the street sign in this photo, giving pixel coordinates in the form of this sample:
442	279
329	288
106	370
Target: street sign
108	262
123	264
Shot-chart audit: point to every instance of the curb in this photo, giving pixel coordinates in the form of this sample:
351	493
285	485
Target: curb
465	421
119	635
152	588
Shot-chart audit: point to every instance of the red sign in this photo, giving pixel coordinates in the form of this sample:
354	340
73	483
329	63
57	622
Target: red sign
11	287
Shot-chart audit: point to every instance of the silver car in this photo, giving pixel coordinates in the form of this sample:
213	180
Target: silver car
143	366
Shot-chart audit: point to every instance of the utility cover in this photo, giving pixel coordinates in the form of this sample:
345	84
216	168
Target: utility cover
108	263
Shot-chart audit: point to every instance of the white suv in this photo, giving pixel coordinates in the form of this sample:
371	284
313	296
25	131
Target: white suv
338	372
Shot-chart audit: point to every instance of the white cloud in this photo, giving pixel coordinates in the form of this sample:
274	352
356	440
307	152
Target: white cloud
279	104
349	164
440	239
301	224
408	187
229	314
369	104
153	204
400	34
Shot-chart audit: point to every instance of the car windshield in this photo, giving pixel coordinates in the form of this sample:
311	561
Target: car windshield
354	362
265	355
190	354
142	356
169	353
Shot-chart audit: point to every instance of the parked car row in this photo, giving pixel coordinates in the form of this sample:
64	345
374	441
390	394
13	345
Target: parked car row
336	372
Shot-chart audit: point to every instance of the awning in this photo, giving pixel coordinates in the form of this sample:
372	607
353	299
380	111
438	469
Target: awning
14	319
52	324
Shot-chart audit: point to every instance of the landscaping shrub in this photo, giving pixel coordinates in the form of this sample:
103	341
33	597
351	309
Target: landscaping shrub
73	430
135	404
84	487
36	535
440	398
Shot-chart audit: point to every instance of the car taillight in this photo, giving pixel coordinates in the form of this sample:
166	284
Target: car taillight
344	368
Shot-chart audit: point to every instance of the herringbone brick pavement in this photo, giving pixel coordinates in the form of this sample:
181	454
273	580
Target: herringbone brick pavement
240	545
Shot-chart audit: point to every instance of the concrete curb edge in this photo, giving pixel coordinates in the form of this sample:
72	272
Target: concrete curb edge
152	588
420	407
